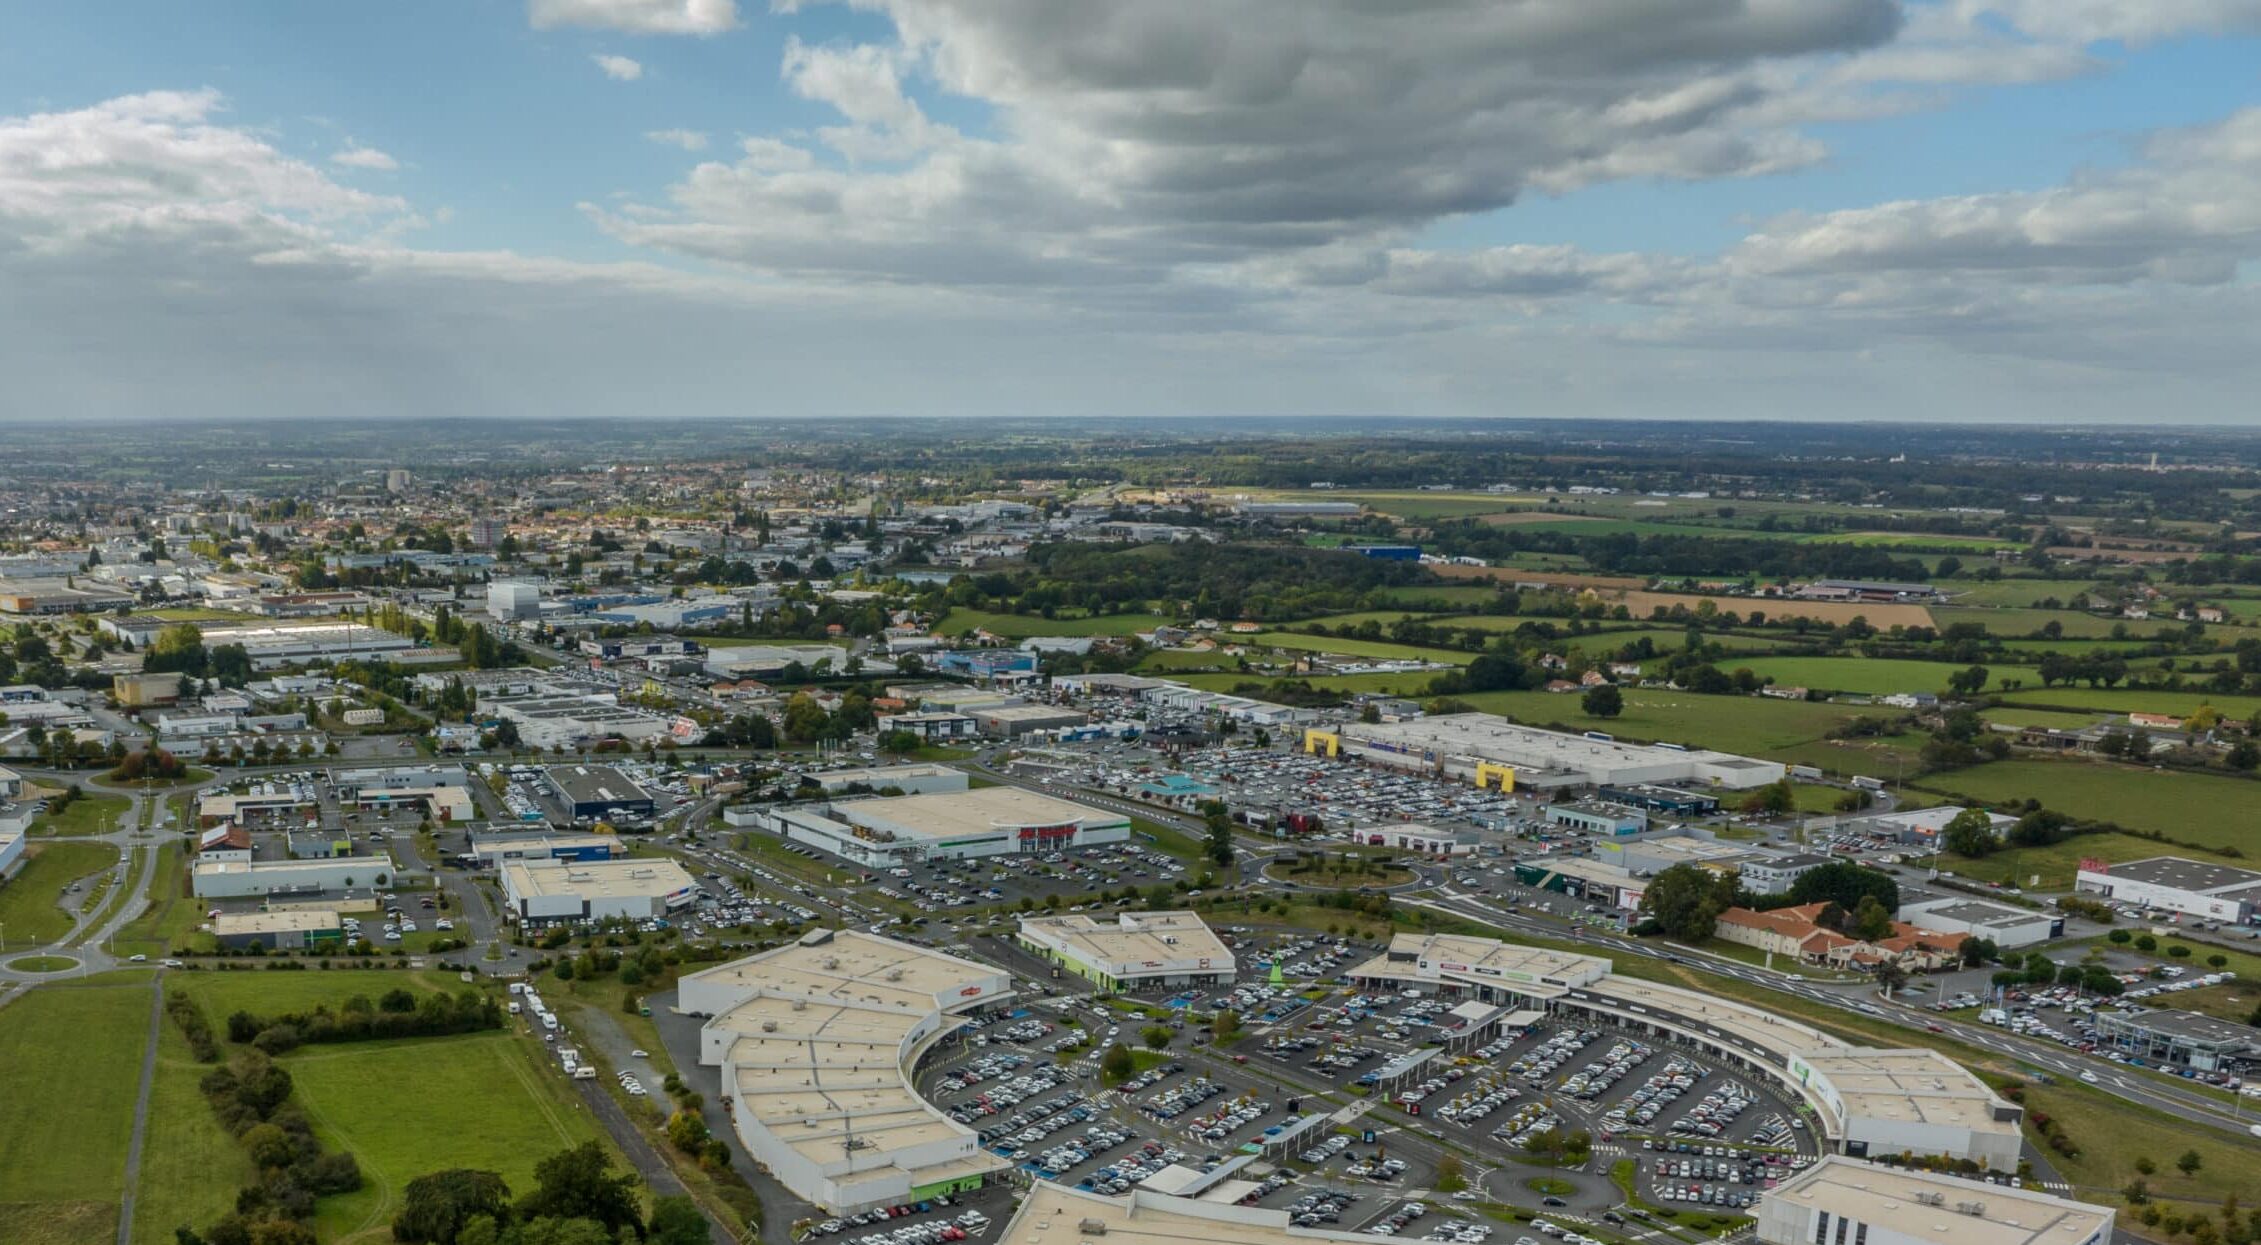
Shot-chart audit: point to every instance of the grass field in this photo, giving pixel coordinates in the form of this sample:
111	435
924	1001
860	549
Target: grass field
1460	595
2189	807
1019	625
1747	724
73	1052
2018	593
89	814
2016	622
410	1107
1910	540
265	993
2057	864
1378	649
1867	676
190	1167
28	915
2123	700
171	915
1884	756
2062	719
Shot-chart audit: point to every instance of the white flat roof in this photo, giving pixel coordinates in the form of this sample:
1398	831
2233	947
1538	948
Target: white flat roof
635	877
1131	938
1890	1198
1910	1086
956	814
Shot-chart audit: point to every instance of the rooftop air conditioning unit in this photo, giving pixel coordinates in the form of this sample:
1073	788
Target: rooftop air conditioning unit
1973	1209
1093	1227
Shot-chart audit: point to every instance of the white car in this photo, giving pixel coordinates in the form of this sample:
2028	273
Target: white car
640	1054
138	959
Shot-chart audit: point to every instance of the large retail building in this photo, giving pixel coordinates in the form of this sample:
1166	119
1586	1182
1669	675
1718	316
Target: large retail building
1132	949
946	825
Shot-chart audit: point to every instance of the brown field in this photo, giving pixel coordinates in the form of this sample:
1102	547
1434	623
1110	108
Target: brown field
1832	612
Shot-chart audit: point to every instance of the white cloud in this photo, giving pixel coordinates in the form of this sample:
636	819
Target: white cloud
645	17
356	156
688	140
618	68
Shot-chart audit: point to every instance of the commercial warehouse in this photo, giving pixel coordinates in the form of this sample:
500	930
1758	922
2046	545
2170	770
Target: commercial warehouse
636	889
1840	1201
2008	927
957	825
1132	950
492	850
818	1043
2191	887
234	879
1914	1101
916	779
2177	1038
290	930
598	792
1489	750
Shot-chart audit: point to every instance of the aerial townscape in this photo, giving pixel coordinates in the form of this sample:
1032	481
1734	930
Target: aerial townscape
1130	622
912	833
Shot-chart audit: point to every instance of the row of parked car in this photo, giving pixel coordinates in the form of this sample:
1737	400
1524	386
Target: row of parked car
968	1223
1641	1108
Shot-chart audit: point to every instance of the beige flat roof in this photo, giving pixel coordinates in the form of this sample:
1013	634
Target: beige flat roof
287	921
1132	937
1917	1086
605	879
1887	1198
954	814
1054	1214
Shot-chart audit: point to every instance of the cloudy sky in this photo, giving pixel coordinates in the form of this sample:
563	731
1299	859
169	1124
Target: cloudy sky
2038	210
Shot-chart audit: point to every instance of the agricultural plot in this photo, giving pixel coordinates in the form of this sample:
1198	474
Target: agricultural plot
2135	700
1378	649
1745	724
1910	540
1461	595
1866	676
2203	809
2008	623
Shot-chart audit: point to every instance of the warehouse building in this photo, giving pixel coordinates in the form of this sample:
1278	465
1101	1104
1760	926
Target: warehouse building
57	596
11	844
1841	1201
490	851
1491	751
931	725
917	779
294	929
231	879
272	646
598	793
1016	721
766	661
818	1043
2192	887
1916	1102
1132	951
2008	927
553	716
1606	820
637	889
989	821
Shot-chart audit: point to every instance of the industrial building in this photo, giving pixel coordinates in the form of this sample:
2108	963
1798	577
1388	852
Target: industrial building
57	596
917	779
636	889
2175	1038
1132	950
139	691
2192	887
554	714
1841	1201
291	929
2006	926
1604	819
765	661
232	879
1489	750
818	1043
272	646
510	600
598	793
931	725
905	830
1016	721
1922	826
490	851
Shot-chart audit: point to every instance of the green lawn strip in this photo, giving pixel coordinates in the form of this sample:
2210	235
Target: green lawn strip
28	912
418	1105
89	814
265	992
2122	700
171	915
72	1051
59	1223
190	1166
779	855
2057	864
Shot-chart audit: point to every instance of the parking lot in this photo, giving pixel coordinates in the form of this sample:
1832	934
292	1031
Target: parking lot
1267	782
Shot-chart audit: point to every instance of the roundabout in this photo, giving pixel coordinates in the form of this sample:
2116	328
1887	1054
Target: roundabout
43	964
